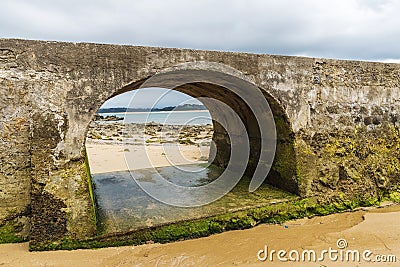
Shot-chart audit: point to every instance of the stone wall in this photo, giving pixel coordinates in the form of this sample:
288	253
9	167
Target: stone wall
352	133
15	165
337	124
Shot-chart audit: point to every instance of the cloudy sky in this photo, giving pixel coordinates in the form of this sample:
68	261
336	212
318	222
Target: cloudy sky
344	29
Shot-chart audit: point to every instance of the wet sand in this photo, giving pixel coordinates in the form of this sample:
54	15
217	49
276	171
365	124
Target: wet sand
378	232
106	157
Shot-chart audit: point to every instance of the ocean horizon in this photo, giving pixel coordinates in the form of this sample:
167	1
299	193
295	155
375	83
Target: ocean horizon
186	117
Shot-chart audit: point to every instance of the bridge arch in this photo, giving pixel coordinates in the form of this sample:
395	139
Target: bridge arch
282	172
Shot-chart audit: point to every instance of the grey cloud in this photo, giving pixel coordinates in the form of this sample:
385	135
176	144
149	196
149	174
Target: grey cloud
351	29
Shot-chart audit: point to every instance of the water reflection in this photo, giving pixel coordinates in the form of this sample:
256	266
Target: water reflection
123	205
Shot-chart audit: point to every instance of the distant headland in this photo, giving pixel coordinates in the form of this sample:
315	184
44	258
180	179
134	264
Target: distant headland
184	107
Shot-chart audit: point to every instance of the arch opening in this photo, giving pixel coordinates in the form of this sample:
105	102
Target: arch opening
136	210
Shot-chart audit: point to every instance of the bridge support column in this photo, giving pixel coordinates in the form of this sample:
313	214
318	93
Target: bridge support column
62	203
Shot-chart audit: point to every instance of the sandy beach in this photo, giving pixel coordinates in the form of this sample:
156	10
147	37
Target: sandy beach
117	147
143	156
374	229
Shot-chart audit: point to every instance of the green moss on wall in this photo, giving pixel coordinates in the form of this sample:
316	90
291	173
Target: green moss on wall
277	213
283	169
355	161
92	209
306	171
10	232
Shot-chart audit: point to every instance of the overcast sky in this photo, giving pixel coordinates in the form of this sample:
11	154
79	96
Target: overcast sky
344	29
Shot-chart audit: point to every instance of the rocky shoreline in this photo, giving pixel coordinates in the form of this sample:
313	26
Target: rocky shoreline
98	117
109	131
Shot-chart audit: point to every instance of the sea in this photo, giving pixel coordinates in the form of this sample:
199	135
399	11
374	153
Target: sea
198	117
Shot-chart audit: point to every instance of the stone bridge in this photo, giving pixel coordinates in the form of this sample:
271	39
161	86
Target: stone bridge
337	124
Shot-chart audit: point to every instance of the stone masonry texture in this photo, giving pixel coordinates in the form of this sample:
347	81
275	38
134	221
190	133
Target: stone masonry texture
337	123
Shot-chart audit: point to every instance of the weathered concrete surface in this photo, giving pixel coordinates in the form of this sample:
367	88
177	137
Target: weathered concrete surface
337	123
